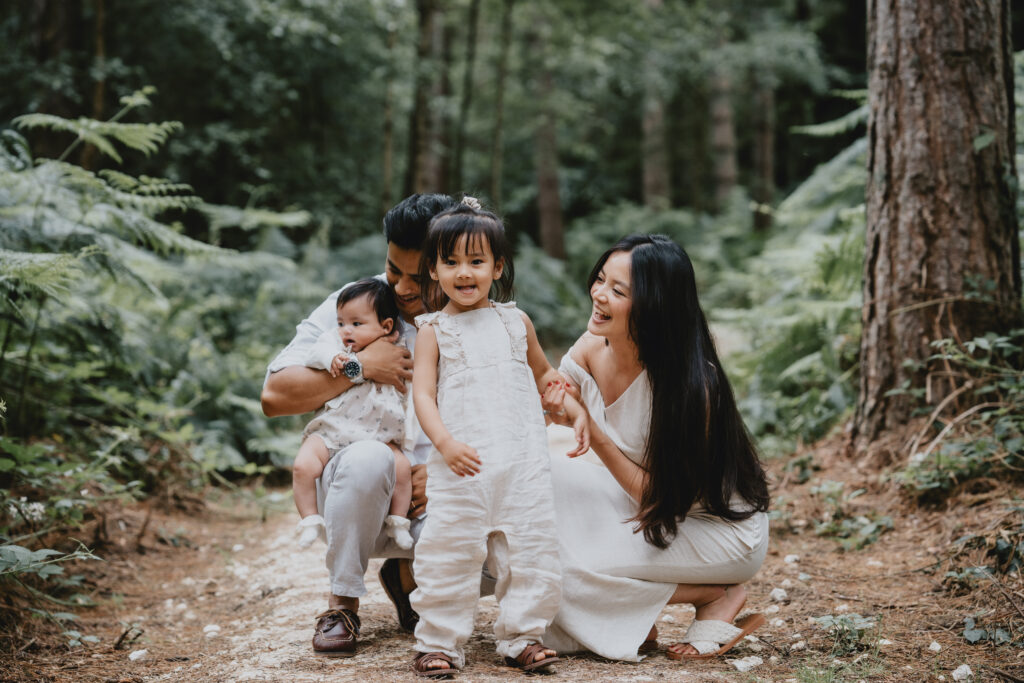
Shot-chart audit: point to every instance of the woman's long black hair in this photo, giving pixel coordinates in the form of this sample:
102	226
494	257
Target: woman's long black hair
698	450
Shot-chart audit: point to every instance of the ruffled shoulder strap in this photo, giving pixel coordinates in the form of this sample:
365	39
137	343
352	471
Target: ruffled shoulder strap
446	330
512	318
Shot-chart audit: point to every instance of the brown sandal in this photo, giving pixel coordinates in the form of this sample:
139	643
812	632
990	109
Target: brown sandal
421	665
527	660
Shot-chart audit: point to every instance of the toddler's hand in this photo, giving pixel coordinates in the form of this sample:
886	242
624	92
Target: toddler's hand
337	364
581	426
311	528
461	458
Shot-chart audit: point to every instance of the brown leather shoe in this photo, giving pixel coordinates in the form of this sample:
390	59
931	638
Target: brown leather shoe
391	581
336	632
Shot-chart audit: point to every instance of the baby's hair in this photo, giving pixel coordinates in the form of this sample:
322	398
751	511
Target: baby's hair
466	218
378	292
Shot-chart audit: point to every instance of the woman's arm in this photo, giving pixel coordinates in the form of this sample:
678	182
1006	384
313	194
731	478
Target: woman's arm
462	459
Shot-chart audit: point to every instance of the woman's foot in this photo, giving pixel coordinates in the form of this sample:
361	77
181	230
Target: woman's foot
723	608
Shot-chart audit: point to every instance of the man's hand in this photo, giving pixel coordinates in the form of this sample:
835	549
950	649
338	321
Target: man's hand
385	362
419	491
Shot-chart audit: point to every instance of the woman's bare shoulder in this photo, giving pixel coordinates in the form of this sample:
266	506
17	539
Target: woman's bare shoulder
583	350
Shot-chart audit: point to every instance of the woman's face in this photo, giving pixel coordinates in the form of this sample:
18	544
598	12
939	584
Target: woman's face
611	295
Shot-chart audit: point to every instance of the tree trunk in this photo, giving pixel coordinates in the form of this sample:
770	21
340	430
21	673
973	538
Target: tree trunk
472	20
438	157
388	155
417	178
57	30
723	136
763	190
655	153
499	104
99	89
549	205
942	253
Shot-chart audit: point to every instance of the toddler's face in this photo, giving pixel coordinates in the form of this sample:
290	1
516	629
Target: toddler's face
358	324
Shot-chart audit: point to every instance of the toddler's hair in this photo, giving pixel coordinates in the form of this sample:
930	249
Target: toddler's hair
378	291
443	235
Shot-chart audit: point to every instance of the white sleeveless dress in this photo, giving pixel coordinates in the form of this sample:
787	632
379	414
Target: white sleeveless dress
614	583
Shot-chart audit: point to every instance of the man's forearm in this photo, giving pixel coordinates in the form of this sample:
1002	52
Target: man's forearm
297	389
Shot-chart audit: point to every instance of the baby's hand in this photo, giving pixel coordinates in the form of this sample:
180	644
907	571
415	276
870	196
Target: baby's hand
461	458
337	364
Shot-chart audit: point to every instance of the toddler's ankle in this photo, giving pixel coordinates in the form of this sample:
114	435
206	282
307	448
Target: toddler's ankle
311	528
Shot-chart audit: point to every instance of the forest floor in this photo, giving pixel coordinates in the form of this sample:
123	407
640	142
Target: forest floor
223	594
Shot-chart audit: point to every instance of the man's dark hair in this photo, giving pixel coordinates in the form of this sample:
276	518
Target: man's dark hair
378	292
405	224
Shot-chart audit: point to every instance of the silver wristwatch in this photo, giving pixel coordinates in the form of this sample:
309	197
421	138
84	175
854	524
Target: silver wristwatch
353	369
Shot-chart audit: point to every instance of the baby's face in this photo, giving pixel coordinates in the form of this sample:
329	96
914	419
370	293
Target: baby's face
358	324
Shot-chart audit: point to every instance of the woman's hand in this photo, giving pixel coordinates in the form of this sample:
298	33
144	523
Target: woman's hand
553	401
462	459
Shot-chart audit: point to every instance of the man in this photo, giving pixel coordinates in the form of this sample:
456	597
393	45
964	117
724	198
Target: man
354	491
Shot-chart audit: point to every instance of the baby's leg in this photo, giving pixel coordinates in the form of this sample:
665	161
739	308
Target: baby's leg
401	497
309	464
397	521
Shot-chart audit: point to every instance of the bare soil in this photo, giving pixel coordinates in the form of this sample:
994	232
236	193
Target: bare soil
224	595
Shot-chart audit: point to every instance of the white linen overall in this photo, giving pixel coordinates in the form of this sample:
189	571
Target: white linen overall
487	399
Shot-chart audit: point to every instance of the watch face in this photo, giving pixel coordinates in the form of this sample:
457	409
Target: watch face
352	369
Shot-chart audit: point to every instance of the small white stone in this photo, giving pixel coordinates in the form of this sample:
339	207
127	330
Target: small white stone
238	547
181	606
189	616
771	609
668	619
798	645
747	663
169	603
884	641
778	623
942	677
188	581
211	628
136	655
786	583
803	576
963	673
875	563
839	609
935	647
790	559
773	659
778	595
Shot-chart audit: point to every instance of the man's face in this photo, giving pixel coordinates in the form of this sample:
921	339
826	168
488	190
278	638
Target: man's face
402	271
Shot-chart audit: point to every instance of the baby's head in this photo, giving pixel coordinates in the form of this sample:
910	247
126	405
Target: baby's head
366	312
462	231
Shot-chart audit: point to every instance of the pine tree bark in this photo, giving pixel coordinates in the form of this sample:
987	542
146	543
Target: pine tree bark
418	169
655	152
497	149
439	154
763	185
549	204
723	136
99	88
942	254
472	21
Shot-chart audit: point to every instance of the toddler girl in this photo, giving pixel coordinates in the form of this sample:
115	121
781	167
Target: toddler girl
478	369
366	412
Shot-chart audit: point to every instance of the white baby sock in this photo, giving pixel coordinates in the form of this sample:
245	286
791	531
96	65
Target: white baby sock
309	529
398	529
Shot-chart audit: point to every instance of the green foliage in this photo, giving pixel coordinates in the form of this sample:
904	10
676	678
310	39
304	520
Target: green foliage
974	634
848	632
852	531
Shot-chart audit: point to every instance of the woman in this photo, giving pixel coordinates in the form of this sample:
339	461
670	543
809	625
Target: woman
677	515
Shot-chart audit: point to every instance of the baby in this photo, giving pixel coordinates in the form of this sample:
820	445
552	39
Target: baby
366	412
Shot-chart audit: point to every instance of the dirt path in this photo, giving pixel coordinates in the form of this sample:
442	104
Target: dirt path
226	596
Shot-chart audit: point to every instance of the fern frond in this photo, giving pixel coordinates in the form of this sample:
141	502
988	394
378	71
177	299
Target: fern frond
151	195
843	124
141	229
49	274
251	219
145	137
15	154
